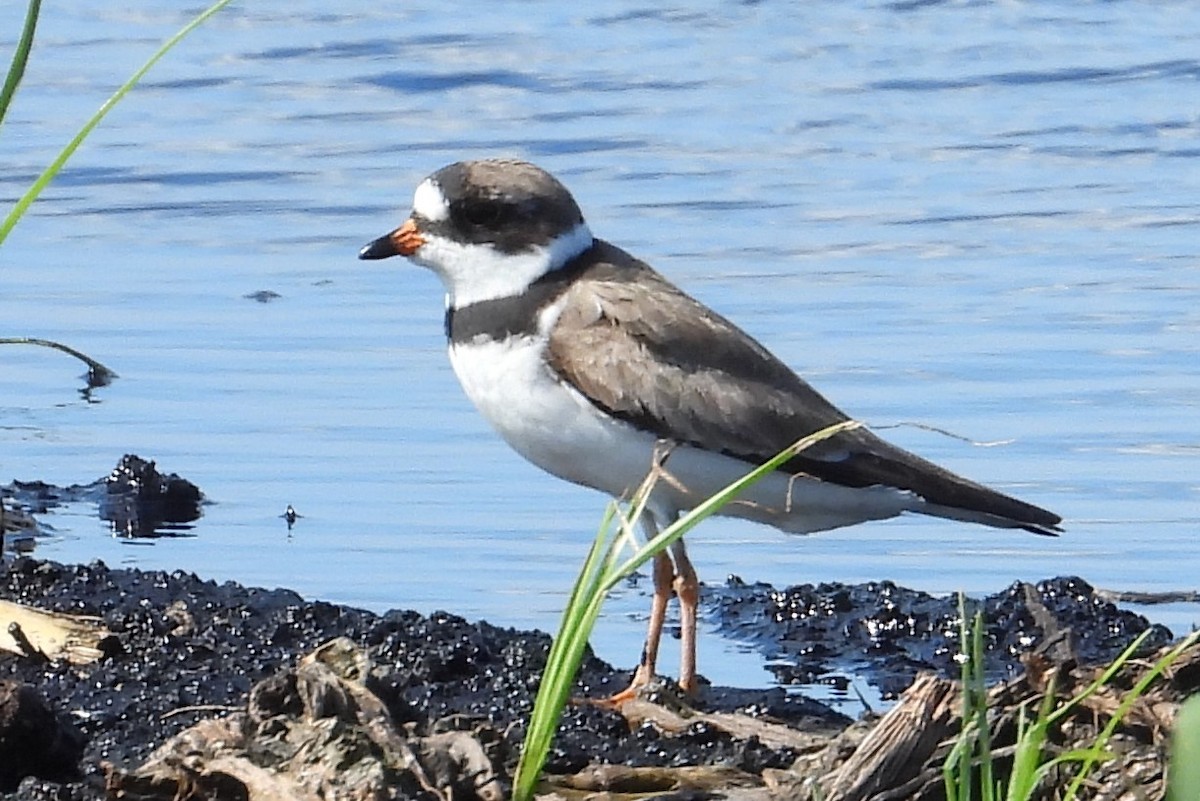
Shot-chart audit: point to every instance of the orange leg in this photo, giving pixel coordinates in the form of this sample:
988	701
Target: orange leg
664	576
687	588
664	588
670	578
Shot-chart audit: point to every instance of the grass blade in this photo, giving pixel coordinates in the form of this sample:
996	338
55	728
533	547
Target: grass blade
566	654
1184	776
16	70
600	573
51	171
98	374
958	774
1099	749
1027	768
987	782
713	504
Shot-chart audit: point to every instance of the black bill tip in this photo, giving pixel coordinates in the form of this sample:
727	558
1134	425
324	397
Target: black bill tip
382	248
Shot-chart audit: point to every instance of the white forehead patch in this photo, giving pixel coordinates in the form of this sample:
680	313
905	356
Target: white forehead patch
430	203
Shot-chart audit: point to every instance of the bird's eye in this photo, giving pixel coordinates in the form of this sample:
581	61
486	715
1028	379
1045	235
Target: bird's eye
485	213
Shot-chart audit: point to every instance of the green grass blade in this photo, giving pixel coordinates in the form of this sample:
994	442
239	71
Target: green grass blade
566	651
983	741
713	504
957	773
600	573
1027	768
1183	779
564	657
51	171
16	70
1104	678
1098	750
590	564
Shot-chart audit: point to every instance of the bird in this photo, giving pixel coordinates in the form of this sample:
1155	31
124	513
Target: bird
589	364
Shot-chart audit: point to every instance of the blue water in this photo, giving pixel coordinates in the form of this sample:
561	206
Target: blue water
980	217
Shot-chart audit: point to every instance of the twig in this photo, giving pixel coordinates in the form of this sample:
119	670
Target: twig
98	374
1149	598
944	433
28	649
199	708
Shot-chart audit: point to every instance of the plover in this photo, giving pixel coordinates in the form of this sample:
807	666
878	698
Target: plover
588	362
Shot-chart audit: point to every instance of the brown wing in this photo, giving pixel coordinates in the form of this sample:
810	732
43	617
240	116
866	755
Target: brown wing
642	350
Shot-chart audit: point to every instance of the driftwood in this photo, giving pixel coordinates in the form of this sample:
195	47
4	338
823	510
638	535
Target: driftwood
678	719
619	782
316	733
50	636
900	757
891	755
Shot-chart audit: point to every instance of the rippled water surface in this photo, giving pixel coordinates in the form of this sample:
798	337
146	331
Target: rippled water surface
981	217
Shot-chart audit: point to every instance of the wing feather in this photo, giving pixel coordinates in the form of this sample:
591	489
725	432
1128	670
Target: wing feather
642	350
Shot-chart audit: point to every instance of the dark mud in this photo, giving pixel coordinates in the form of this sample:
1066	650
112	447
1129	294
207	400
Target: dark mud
825	633
187	646
186	649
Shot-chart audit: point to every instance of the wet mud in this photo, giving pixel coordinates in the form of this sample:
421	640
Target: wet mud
184	650
826	633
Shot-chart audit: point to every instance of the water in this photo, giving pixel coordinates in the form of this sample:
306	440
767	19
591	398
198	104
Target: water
980	217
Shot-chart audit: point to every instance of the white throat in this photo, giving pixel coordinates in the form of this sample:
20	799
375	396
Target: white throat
476	272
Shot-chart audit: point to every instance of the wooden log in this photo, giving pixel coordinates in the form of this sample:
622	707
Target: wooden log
38	634
897	749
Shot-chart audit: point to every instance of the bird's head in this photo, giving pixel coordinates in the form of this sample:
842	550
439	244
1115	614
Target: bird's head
489	229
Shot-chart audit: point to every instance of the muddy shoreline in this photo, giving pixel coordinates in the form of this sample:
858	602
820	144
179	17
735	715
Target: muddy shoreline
184	649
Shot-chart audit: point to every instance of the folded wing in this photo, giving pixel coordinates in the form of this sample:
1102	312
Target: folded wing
649	354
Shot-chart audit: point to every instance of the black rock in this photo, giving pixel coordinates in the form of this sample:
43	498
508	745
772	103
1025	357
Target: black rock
139	501
824	633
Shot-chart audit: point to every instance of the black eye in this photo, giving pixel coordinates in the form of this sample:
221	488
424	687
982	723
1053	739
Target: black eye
485	213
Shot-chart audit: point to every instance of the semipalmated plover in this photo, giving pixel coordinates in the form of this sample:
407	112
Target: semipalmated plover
587	362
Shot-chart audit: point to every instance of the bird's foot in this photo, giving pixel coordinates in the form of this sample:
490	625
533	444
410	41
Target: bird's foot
654	689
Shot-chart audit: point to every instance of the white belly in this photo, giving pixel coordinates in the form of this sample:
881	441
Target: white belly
560	431
549	424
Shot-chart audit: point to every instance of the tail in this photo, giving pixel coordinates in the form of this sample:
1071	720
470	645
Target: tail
872	461
1046	523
